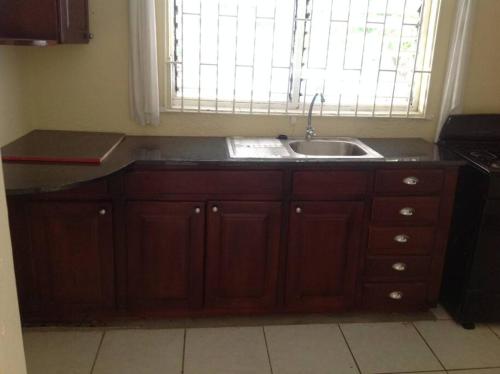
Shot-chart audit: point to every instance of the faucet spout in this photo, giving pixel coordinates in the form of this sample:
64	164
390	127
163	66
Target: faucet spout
310	133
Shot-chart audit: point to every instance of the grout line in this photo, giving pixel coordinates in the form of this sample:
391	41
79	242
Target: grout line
493	331
429	346
457	371
415	372
184	352
349	347
267	349
98	351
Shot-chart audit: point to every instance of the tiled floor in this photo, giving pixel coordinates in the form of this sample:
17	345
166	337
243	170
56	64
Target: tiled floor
426	346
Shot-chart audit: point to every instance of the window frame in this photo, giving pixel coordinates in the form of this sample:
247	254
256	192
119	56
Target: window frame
167	84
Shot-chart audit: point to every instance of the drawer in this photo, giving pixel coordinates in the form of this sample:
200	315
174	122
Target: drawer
400	240
409	181
411	210
262	184
394	296
329	184
397	268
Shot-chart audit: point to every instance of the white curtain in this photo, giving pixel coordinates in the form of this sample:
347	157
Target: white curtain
144	88
458	59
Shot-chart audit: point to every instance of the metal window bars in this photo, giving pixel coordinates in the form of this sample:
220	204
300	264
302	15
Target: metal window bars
370	58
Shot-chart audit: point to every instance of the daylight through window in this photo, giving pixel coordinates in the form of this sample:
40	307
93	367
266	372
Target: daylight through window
369	57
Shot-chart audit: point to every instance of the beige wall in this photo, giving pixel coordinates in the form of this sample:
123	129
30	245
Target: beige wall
13	123
86	88
11	345
482	90
13	114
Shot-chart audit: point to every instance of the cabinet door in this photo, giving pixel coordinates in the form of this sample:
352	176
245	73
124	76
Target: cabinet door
165	254
73	246
29	19
242	254
323	252
74	21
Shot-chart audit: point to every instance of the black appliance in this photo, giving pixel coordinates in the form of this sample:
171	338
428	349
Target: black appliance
471	280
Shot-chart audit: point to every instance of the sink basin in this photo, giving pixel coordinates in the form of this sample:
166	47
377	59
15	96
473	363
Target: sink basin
332	148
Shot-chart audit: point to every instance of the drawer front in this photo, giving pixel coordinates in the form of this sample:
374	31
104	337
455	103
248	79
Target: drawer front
409	181
400	240
394	296
411	210
397	268
211	182
329	184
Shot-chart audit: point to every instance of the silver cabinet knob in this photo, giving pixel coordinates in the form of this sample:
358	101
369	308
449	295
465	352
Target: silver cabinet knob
402	238
399	266
102	212
396	295
197	210
298	210
215	209
411	181
407	212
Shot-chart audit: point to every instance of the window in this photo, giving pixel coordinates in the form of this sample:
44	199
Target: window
370	58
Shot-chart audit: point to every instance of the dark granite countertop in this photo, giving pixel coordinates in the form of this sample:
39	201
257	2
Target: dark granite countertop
23	178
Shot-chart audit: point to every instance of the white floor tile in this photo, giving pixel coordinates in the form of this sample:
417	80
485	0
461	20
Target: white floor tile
389	348
440	313
141	351
458	348
228	350
71	352
309	349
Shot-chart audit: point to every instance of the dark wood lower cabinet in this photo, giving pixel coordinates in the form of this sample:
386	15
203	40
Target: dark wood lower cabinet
72	248
243	242
323	251
168	241
165	254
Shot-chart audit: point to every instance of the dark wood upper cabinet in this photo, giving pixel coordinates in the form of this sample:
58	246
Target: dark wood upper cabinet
242	254
44	22
165	244
323	251
72	245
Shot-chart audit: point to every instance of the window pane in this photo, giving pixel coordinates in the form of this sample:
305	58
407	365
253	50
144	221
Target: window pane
368	57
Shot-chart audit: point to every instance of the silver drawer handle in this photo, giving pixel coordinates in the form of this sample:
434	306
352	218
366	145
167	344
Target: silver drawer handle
396	295
401	238
197	210
298	210
215	209
411	181
399	266
102	212
407	212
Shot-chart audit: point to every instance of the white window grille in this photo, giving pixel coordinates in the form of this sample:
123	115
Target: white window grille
369	58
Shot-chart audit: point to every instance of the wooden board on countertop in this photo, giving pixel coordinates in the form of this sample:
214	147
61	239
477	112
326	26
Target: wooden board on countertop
62	147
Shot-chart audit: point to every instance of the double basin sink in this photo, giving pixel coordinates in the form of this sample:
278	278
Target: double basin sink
330	148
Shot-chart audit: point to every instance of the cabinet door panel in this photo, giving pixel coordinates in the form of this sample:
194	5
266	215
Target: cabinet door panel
73	246
242	254
165	254
323	252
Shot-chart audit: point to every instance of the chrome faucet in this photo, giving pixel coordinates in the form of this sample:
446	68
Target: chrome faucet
310	133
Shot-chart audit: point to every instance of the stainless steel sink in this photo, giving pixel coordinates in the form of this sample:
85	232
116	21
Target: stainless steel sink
329	148
332	148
